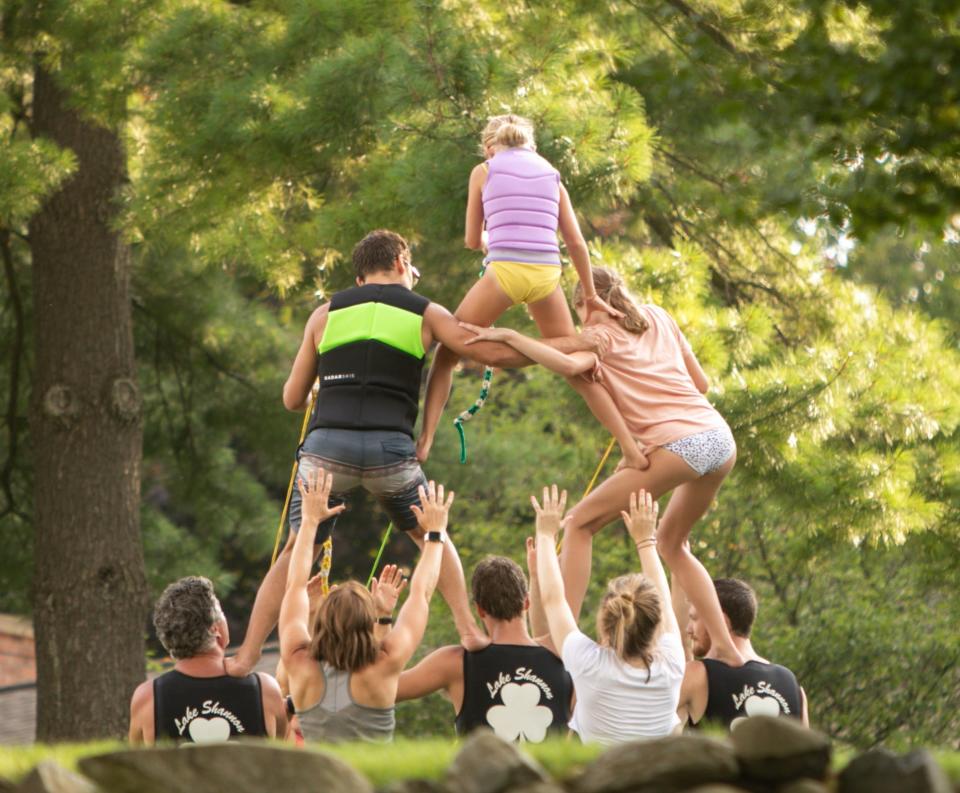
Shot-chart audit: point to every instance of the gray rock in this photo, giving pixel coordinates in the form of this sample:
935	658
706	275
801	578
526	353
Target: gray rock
716	789
48	777
881	771
236	767
803	786
488	764
414	786
776	749
665	765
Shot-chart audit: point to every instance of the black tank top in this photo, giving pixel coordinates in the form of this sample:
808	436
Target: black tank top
753	689
522	692
206	709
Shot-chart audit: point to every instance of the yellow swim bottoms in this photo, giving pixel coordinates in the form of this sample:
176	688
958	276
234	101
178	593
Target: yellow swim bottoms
526	283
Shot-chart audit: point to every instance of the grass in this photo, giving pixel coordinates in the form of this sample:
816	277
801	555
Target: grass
382	764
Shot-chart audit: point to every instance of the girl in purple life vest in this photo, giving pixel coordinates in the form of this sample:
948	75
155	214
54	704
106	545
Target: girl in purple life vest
518	196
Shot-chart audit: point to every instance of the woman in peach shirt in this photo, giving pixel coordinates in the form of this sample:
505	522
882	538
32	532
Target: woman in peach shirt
658	386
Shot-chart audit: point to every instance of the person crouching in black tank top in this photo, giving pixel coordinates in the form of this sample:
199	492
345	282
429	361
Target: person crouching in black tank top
716	693
196	701
516	686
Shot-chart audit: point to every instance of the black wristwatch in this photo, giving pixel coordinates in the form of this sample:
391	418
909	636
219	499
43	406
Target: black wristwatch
435	536
384	620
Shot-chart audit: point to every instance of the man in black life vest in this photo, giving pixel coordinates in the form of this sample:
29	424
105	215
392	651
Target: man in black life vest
196	701
367	347
516	686
715	693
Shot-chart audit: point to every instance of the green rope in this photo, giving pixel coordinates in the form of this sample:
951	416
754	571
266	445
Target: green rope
383	544
471	411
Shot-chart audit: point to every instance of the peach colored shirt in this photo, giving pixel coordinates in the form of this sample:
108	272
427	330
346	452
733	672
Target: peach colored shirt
649	381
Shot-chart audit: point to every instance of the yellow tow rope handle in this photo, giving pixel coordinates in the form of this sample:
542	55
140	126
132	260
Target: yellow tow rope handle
593	480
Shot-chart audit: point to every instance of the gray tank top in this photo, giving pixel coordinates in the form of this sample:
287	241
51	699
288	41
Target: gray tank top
336	717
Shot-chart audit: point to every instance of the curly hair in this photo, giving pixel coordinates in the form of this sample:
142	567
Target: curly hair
184	615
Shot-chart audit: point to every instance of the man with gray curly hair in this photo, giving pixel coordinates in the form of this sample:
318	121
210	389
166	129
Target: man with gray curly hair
197	701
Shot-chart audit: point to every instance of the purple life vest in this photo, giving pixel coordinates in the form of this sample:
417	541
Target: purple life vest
521	202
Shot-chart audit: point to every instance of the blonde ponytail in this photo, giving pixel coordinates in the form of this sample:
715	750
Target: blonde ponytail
508	132
629	617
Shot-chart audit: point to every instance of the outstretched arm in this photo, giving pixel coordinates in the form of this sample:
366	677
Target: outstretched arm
402	641
605	410
473	225
641	522
559	616
539	626
580	255
295	608
566	363
445	328
437	672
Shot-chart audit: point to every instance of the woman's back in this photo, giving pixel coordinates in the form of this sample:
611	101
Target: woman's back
339	717
649	380
618	702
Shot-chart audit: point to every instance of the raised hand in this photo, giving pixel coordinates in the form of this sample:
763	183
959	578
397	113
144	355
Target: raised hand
641	520
315	492
424	444
550	515
531	558
597	303
387	588
315	592
633	458
596	339
433	513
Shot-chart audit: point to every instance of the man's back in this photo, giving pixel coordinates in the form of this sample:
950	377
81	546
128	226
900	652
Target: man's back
207	709
521	691
754	689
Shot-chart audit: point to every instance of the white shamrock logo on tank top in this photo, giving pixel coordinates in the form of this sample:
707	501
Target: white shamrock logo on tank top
521	716
215	730
758	706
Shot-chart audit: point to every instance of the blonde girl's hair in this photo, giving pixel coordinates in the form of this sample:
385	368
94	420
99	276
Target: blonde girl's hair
611	287
343	631
508	132
630	613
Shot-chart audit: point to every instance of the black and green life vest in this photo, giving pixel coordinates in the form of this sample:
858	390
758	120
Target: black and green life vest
370	360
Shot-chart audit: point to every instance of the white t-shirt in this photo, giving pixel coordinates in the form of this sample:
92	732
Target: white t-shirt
615	701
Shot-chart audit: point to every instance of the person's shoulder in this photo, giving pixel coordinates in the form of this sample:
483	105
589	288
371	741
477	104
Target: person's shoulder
268	682
142	694
141	703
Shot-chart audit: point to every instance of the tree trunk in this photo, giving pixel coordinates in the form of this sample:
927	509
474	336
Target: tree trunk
90	589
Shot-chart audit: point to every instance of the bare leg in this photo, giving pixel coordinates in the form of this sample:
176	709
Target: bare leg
483	305
688	504
453	587
265	613
552	315
602	506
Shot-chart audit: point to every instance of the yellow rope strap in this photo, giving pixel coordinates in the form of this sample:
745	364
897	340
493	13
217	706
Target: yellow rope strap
593	480
293	476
